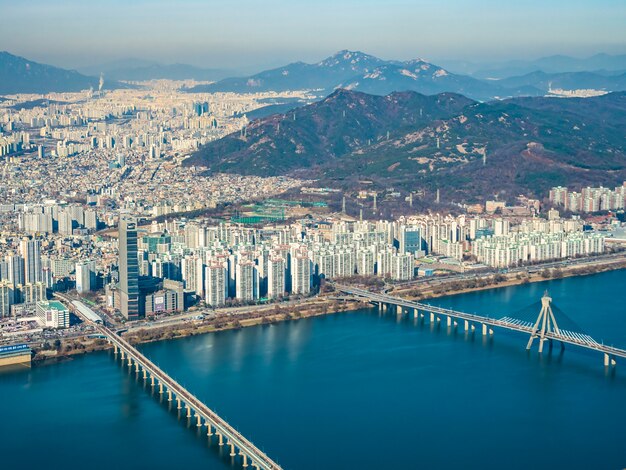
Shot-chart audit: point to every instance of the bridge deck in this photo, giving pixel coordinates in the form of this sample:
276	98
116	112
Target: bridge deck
247	448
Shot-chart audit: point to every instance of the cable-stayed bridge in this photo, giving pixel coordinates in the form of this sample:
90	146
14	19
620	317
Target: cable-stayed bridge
550	325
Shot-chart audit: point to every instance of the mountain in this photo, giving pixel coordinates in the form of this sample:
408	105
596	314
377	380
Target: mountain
423	77
324	75
369	74
465	148
542	81
316	134
141	70
20	75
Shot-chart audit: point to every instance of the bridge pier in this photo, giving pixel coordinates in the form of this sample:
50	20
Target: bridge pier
145	374
221	441
609	360
449	322
169	395
198	420
152	380
136	367
399	309
122	354
432	317
466	325
160	388
208	429
178	407
484	329
188	411
232	449
115	349
130	361
245	461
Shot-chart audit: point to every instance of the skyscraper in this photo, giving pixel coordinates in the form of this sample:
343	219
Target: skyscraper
129	269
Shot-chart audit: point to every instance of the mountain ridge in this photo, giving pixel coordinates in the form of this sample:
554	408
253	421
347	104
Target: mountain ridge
445	141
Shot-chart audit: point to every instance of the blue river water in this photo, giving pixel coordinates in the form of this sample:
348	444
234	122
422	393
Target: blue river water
350	390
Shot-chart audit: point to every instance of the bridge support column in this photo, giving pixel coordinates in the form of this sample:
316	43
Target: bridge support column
115	348
188	411
466	324
245	461
160	388
169	395
399	309
178	407
484	330
232	449
449	322
130	361
473	327
145	374
490	331
208	429
221	441
199	421
432	317
152	380
122	355
136	367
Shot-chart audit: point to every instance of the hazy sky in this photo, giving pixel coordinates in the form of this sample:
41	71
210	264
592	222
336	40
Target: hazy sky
249	34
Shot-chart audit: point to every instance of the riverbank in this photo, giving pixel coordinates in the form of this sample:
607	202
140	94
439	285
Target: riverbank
324	304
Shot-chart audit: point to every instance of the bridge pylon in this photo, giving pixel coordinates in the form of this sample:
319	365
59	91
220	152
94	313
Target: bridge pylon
546	323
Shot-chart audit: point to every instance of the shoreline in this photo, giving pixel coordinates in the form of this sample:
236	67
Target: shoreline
318	307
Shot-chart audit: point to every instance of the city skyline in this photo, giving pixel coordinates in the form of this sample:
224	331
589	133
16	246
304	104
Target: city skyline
225	36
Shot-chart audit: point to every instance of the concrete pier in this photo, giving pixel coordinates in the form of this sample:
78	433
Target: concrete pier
208	429
199	421
466	325
232	449
484	330
169	395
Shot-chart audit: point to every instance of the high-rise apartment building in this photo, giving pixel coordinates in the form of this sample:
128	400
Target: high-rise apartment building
276	277
31	252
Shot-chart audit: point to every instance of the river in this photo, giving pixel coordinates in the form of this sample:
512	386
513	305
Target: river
349	390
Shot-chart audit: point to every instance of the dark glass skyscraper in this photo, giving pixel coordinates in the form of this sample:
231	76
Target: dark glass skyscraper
129	269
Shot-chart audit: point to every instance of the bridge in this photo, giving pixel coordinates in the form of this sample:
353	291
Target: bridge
544	328
195	409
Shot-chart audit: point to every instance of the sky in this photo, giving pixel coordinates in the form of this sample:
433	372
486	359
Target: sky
247	34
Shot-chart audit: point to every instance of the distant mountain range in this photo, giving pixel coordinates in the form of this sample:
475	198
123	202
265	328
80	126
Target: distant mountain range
361	72
369	74
141	70
20	75
445	141
543	82
551	64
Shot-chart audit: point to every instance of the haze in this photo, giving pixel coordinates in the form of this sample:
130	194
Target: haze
249	34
